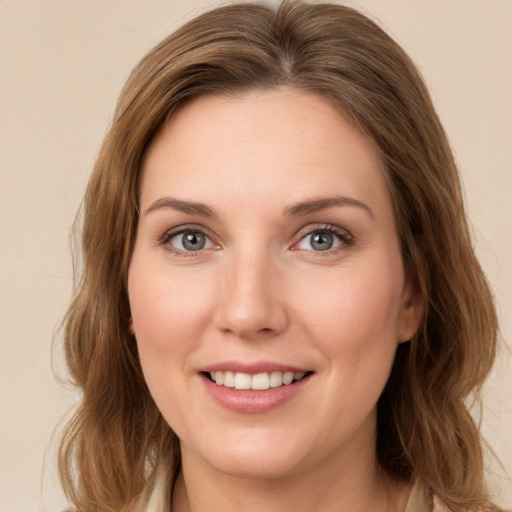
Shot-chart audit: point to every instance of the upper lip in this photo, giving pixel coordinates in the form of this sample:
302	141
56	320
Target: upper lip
252	368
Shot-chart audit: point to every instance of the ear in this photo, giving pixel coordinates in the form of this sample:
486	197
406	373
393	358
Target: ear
131	329
411	312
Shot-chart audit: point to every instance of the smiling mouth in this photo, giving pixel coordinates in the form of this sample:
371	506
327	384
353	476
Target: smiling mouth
257	382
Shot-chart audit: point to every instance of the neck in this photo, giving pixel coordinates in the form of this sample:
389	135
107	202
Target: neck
340	484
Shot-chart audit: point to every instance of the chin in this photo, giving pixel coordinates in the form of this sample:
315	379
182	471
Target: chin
255	461
258	467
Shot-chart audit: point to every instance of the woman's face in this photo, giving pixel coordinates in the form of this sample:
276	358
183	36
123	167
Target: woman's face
267	251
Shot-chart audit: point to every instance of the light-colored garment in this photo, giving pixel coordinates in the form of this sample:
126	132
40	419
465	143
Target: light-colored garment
419	500
159	498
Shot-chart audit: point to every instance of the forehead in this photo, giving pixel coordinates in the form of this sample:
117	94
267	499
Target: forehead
259	144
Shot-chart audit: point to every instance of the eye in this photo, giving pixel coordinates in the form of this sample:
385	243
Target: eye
324	239
189	241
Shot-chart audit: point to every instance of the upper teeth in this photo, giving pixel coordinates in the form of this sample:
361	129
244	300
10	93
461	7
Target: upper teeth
260	381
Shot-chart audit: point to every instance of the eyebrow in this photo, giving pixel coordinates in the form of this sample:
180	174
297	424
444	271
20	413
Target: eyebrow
323	203
182	206
299	209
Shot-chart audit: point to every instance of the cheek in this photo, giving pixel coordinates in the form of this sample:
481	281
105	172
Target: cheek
352	310
168	312
354	325
355	328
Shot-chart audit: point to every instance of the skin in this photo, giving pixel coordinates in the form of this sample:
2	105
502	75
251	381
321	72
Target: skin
260	291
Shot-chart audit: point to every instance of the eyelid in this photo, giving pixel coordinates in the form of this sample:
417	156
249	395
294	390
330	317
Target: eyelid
346	238
165	238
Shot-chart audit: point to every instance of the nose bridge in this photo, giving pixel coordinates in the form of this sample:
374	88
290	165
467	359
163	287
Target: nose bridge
251	304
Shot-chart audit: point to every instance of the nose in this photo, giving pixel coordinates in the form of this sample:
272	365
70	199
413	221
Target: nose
252	303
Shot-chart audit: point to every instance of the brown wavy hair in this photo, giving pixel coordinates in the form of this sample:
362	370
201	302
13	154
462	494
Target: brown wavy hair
117	436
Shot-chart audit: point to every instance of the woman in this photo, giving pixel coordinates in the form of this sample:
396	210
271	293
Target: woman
280	307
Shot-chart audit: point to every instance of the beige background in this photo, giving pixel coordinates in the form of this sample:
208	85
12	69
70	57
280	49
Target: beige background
62	63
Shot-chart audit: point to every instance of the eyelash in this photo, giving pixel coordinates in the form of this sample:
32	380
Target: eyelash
165	239
346	239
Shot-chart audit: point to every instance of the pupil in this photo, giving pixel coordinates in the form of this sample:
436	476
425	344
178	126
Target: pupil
193	241
322	241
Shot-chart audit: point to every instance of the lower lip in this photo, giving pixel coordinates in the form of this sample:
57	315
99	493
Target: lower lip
251	401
